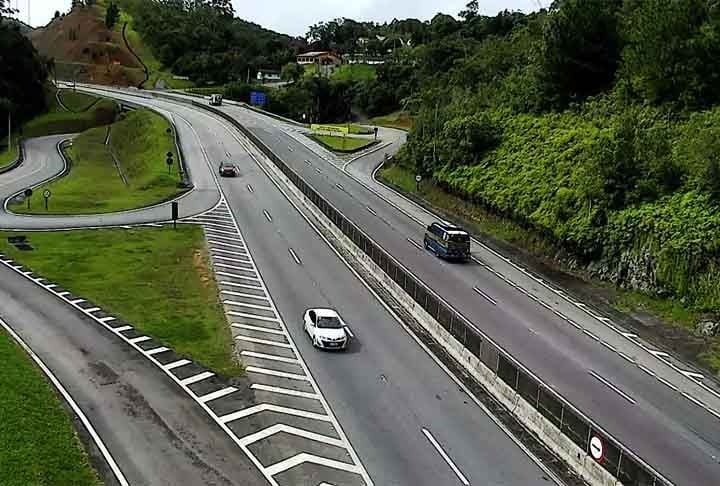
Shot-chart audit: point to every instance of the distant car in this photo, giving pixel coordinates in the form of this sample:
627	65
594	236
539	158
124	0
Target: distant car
447	241
326	329
228	169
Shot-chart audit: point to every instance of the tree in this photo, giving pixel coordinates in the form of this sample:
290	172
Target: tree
5	9
56	15
581	49
292	72
112	15
471	10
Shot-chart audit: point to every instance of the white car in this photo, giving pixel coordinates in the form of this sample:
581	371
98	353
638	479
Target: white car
326	329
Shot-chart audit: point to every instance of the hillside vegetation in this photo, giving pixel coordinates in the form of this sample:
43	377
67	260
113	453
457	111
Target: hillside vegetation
96	184
594	124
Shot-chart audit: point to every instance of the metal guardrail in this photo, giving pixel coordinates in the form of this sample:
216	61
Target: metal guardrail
619	461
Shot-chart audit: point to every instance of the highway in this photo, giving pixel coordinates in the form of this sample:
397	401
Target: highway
638	396
388	395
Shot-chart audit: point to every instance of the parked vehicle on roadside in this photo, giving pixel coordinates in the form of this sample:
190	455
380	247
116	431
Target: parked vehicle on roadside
448	241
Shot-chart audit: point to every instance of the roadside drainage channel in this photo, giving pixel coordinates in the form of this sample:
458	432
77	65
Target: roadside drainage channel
280	421
291	413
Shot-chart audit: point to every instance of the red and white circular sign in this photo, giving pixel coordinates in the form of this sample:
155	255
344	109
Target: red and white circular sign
597	449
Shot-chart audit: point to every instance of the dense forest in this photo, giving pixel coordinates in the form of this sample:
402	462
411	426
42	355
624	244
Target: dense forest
22	73
594	123
202	39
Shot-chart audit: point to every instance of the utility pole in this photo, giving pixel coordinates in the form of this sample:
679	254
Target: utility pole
9	130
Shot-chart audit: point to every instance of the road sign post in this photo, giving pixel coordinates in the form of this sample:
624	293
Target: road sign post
175	212
28	192
376	132
418	178
46	195
169	161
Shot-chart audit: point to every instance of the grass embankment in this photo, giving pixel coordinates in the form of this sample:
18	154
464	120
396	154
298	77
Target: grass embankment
76	101
483	223
157	279
343	144
57	120
9	155
38	444
353	128
91	112
399	119
94	184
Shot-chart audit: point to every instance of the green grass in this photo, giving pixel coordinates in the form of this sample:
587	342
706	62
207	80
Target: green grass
59	121
399	119
10	155
475	218
157	279
93	185
38	445
76	101
355	72
354	128
343	144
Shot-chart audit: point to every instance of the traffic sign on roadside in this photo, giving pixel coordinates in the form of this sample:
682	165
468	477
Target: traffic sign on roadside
28	192
597	449
46	195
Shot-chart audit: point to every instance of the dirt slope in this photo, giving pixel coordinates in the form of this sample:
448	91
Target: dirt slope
84	47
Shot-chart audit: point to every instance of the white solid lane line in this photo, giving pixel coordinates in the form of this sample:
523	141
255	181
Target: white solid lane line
196	378
414	243
226	245
140	339
217	394
152	352
77	301
444	455
177	364
247	296
294	256
271	357
486	296
267	215
259	329
262	341
371	210
92	309
106	319
267	407
288	429
281	374
122	328
611	386
284	391
303	457
69	400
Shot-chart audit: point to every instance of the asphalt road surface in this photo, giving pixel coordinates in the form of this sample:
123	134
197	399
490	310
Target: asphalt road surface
155	433
399	409
641	396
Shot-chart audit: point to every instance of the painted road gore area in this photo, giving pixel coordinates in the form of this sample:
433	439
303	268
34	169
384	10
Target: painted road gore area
291	431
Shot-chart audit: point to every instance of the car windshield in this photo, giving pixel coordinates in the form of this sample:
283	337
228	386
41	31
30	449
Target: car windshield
329	323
